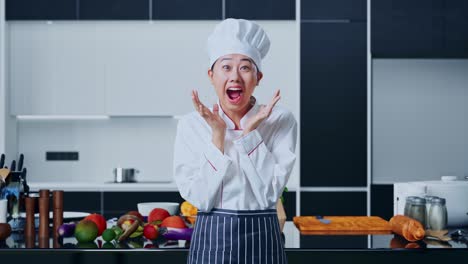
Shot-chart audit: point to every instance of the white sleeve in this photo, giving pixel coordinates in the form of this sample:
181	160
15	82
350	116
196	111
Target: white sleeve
267	170
199	168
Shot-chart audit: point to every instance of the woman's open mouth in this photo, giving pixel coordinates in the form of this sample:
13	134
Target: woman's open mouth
234	95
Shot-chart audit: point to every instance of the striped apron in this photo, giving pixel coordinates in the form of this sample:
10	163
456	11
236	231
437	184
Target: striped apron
232	236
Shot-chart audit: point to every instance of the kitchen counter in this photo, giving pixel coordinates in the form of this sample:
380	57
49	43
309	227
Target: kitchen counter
144	186
299	248
104	186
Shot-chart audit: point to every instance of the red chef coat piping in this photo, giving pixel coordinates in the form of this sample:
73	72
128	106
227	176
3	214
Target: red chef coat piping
214	168
255	148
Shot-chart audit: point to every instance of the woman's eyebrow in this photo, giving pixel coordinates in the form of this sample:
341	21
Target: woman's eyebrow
226	59
246	59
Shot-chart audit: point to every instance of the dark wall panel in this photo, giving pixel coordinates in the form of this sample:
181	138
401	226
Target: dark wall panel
333	104
114	9
382	200
334	203
89	202
187	9
261	9
41	9
334	9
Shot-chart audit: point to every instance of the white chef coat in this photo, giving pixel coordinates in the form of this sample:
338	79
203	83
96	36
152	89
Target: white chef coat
252	172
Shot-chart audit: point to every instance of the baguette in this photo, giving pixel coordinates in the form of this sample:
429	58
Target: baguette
412	230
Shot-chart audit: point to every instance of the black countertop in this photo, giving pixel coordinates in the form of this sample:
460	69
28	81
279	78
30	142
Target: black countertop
299	249
292	240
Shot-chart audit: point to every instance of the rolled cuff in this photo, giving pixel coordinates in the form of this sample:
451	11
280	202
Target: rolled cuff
249	143
218	161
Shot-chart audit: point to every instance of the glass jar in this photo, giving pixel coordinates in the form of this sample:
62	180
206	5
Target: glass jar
408	204
418	210
438	214
428	207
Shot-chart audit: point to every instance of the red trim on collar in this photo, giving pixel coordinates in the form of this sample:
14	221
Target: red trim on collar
255	148
253	101
211	164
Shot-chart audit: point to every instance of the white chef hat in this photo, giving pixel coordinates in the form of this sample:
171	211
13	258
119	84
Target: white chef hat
238	36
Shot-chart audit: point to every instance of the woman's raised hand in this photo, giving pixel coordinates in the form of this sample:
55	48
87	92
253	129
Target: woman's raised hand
217	124
213	119
263	113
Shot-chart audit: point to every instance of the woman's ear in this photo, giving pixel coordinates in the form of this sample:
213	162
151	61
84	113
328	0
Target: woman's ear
259	77
210	75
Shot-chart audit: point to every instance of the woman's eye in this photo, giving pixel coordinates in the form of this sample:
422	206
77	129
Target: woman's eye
226	67
245	68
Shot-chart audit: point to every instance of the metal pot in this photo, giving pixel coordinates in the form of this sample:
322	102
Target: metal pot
123	175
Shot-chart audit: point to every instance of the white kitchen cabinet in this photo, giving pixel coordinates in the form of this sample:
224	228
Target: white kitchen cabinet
151	68
132	68
30	70
55	69
107	68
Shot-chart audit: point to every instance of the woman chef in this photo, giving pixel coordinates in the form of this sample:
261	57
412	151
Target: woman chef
232	161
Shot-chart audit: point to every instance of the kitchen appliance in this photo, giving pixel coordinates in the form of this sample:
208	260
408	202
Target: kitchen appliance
125	175
454	191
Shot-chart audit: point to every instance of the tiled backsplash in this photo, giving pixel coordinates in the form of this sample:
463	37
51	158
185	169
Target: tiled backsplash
145	143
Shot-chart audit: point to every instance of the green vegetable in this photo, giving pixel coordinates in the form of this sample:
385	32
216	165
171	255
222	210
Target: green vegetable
284	191
118	231
109	235
137	233
108	245
86	231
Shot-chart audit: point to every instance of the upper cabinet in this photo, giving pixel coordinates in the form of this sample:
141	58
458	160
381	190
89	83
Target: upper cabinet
187	10
150	9
334	10
141	65
456	29
261	9
55	71
419	29
116	69
114	9
41	9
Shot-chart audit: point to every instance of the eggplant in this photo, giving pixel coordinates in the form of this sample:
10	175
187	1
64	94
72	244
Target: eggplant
66	230
172	233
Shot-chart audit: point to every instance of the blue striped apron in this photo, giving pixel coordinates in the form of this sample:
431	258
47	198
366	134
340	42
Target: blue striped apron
232	236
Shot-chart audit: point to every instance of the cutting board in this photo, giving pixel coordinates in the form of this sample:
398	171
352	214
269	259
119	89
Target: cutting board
337	225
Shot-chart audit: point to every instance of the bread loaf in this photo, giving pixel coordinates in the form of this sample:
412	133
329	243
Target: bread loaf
399	242
412	230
